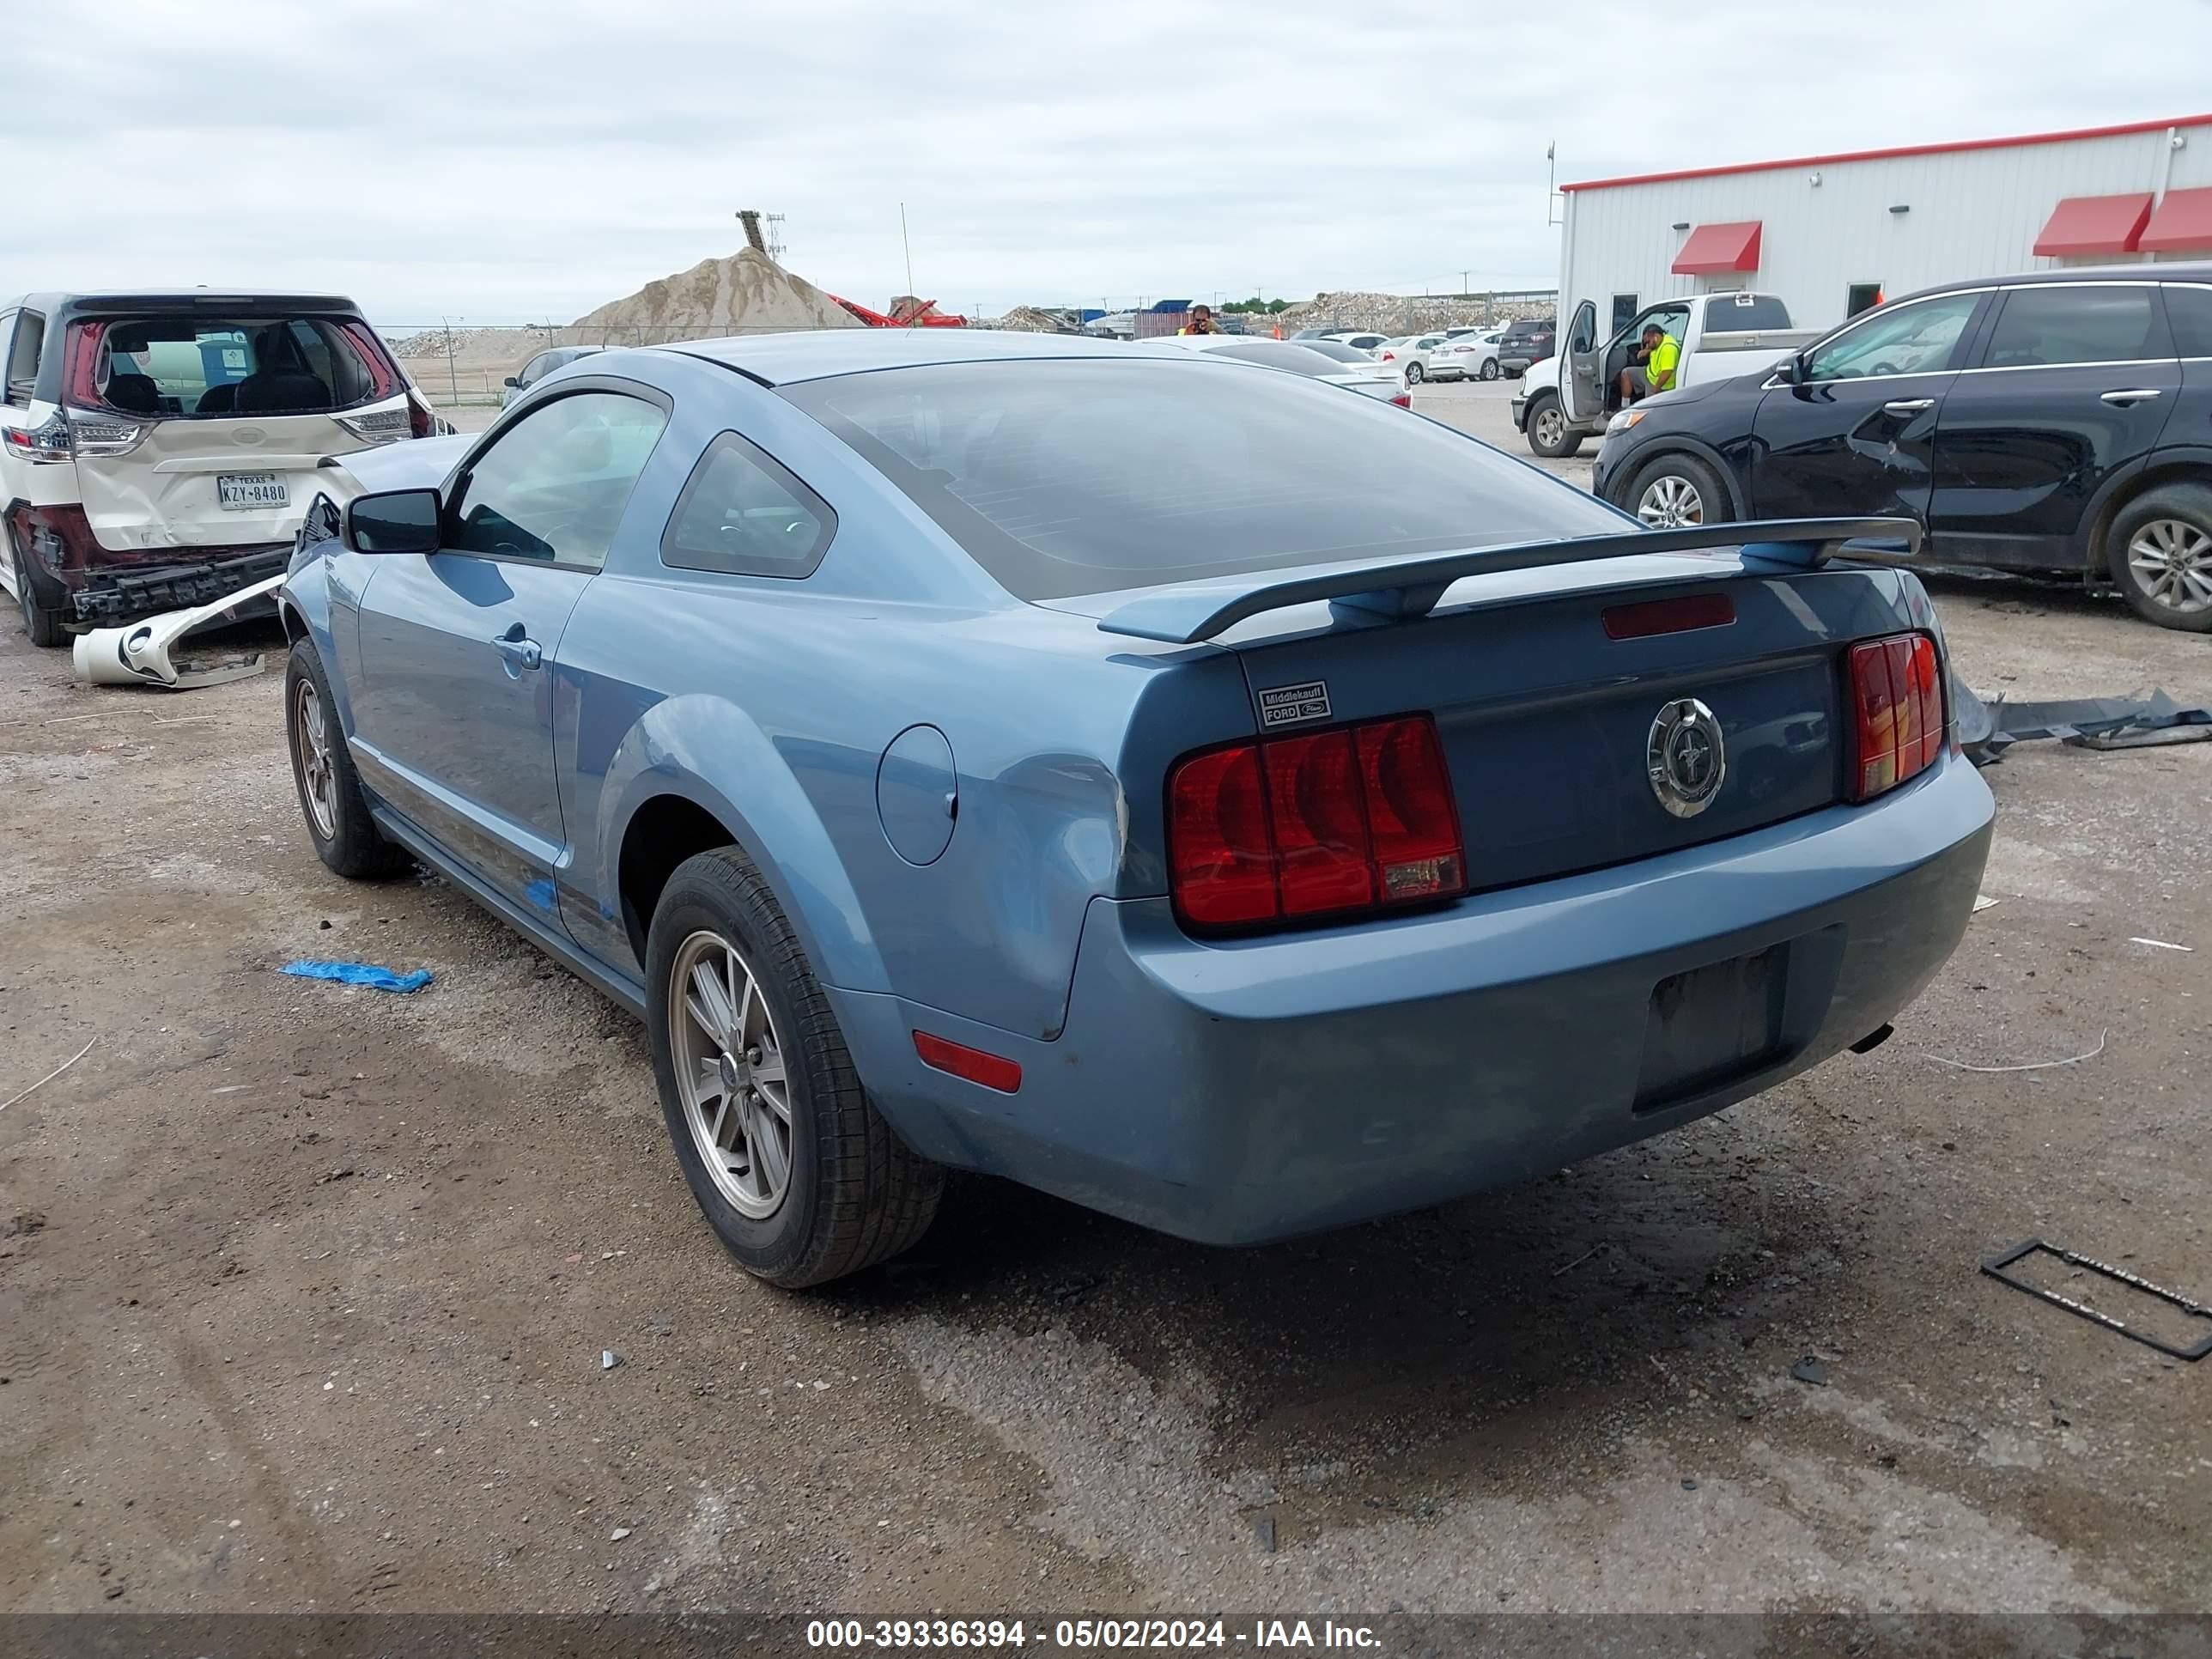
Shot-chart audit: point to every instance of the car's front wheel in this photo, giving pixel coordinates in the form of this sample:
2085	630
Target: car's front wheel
2160	554
344	836
41	621
795	1169
1677	492
1549	435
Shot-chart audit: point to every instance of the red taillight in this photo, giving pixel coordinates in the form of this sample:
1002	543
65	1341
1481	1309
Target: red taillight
958	1060
82	380
1403	400
1649	616
1325	823
1390	356
1897	692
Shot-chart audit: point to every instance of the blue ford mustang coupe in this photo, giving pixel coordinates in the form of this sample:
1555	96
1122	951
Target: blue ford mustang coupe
1214	797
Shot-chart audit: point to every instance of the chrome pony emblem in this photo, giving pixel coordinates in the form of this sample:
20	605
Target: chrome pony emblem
1686	757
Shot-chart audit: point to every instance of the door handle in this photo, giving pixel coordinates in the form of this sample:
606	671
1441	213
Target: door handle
2136	395
1908	405
518	651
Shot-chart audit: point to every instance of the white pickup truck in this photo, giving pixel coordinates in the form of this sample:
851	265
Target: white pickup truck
1571	394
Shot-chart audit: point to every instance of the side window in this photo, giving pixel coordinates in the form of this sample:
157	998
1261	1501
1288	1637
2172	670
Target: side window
1585	335
2076	323
2189	311
1914	339
744	514
23	355
553	484
534	370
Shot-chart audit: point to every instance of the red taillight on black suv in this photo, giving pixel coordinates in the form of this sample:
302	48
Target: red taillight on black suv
1897	695
1322	825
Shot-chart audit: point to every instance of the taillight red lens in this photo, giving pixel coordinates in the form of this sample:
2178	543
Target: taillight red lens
1320	835
1223	859
1897	692
1410	811
1403	400
81	379
1323	823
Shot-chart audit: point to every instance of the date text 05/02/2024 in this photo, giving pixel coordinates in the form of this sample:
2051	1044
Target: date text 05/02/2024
1088	1635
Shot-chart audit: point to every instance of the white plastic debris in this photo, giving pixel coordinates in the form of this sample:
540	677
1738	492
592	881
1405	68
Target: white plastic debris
609	1359
139	653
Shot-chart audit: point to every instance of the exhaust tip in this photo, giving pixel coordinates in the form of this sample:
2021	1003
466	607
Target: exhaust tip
1873	1039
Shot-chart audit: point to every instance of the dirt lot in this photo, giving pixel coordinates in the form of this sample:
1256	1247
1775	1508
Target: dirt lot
304	1291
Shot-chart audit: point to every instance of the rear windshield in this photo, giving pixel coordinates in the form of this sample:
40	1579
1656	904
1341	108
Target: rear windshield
1064	477
1743	311
1341	352
201	365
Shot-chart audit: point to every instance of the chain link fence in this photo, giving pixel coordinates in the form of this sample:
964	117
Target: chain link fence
462	364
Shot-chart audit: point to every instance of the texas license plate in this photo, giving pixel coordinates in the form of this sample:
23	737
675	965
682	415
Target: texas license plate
251	492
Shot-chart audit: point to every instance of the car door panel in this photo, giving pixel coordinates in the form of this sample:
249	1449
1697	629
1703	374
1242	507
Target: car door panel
1580	393
453	707
2026	446
1854	433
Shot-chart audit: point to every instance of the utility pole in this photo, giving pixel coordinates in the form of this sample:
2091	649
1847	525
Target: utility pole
907	246
452	375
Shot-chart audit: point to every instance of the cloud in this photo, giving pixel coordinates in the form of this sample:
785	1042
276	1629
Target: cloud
508	162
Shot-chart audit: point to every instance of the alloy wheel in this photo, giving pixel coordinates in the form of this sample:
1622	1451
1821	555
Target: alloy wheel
311	741
1670	501
2172	563
730	1073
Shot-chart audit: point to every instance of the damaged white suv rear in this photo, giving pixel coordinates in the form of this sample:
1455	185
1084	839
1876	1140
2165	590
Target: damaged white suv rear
157	449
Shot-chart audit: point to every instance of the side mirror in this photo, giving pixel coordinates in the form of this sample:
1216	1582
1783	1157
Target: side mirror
515	380
393	521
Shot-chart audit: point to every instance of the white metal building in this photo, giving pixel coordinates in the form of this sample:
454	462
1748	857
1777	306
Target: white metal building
1832	233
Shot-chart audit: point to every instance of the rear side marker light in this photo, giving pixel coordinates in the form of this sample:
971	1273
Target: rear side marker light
1642	621
958	1060
1325	823
1897	697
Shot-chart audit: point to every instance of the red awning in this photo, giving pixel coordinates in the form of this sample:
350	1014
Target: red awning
2094	224
2184	220
1715	248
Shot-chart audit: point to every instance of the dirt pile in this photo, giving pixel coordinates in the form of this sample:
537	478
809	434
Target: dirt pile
747	292
1396	313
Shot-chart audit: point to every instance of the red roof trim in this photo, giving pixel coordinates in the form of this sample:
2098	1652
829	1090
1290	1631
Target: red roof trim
2184	220
1886	155
1712	249
2094	224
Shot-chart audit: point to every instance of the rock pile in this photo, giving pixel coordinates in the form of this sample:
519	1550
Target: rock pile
474	343
1396	313
747	292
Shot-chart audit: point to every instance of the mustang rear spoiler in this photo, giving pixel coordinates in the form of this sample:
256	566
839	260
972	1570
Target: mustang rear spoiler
1191	611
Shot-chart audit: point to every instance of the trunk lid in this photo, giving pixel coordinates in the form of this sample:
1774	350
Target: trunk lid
202	429
1547	722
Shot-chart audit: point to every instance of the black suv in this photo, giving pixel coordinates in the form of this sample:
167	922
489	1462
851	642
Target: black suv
2059	421
1529	341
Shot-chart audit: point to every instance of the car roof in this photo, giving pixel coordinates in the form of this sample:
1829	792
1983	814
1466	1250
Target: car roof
817	354
2178	271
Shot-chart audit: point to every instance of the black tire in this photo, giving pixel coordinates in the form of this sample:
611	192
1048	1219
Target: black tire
41	621
2173	522
1697	493
1490	368
344	836
1415	375
1549	435
855	1194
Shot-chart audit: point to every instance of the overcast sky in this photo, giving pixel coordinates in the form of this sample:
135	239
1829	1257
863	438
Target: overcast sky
503	162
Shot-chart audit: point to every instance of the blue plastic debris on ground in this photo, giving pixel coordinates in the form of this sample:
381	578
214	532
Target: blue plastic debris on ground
360	973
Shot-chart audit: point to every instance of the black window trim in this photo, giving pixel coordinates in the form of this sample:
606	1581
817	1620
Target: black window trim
2006	289
807	495
516	414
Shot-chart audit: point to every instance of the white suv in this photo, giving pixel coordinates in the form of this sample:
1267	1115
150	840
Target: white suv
157	449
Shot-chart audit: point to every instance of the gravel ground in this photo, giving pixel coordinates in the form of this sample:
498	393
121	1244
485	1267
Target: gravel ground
304	1291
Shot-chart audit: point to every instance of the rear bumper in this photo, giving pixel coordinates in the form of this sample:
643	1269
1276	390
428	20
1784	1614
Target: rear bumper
1241	1091
95	587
